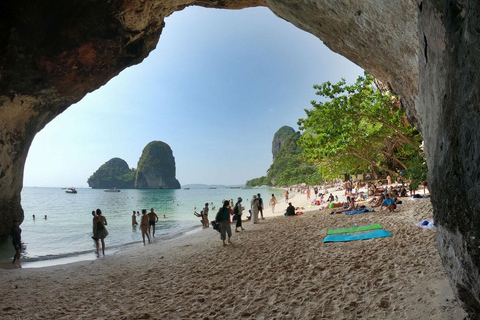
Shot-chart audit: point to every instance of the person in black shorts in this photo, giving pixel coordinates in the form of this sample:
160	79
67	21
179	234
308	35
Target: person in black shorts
152	219
16	234
260	205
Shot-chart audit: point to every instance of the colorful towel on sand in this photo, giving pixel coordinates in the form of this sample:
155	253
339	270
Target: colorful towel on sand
354	229
357	236
357	211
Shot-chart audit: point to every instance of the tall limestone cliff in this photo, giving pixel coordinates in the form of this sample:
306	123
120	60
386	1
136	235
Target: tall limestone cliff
55	52
279	139
156	167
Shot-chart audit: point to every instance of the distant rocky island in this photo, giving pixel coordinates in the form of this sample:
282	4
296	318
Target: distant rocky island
155	170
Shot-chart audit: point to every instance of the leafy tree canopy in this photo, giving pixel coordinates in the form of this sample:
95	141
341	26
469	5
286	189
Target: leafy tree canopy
358	128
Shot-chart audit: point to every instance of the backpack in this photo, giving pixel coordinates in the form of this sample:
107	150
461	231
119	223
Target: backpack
235	209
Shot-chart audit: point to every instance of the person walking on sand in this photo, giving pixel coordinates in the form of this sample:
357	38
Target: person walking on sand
260	205
152	219
16	234
223	218
144	226
308	193
273	202
238	211
254	208
134	219
99	230
205	215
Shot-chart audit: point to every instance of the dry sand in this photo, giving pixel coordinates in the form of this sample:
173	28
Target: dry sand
277	269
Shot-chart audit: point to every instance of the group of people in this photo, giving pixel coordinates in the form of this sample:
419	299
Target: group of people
147	223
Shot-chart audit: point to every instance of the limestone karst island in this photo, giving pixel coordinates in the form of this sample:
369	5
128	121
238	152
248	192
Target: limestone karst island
155	170
53	53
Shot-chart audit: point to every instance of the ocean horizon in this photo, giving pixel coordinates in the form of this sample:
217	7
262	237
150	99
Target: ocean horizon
65	234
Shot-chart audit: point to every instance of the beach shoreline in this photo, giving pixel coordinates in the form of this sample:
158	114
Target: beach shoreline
278	268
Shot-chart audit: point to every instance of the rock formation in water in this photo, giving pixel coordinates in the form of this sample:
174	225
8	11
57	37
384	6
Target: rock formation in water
156	168
114	173
55	52
279	139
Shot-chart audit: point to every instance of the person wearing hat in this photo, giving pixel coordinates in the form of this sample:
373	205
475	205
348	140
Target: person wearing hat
238	211
16	234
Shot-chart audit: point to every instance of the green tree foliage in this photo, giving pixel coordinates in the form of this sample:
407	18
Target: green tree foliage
262	181
289	166
358	128
113	173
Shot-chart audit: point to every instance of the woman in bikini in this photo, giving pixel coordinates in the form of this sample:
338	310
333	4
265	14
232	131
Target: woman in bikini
144	225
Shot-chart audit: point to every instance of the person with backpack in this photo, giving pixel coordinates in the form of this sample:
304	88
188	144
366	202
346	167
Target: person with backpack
223	218
238	211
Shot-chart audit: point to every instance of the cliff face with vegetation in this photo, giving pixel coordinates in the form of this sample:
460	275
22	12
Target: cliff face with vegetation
156	167
113	173
288	167
55	52
280	138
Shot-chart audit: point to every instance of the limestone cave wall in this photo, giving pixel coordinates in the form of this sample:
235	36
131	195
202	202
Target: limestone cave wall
52	53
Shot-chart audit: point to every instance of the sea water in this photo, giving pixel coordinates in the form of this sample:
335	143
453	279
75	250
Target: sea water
67	229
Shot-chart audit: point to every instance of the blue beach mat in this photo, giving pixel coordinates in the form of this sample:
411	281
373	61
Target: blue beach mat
357	211
357	236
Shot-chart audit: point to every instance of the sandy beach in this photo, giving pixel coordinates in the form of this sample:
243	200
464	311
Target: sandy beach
277	269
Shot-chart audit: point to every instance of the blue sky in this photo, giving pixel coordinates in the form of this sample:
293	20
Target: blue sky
216	89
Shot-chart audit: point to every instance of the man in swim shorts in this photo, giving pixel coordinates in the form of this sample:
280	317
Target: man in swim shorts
152	219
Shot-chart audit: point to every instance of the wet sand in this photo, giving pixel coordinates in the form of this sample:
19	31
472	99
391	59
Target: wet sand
277	269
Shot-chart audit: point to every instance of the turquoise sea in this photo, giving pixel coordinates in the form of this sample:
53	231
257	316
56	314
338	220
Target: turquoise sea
66	233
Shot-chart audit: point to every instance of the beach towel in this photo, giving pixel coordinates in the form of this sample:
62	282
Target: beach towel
354	229
357	211
380	233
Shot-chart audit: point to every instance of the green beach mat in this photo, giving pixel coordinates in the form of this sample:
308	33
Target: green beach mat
354	229
357	236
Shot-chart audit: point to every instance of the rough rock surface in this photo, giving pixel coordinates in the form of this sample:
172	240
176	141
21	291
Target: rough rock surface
279	139
156	167
449	105
52	53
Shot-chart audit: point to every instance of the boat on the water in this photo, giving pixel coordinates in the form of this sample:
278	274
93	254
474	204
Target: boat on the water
70	190
186	188
111	190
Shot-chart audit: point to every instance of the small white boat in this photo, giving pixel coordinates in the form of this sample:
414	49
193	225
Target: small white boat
111	190
70	190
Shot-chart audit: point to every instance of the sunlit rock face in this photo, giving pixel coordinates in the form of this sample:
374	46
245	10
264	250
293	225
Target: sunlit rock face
156	167
52	53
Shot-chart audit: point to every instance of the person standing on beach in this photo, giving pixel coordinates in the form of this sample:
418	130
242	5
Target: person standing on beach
205	215
16	234
286	195
144	226
238	211
260	205
273	202
308	193
134	219
152	219
223	218
254	208
99	230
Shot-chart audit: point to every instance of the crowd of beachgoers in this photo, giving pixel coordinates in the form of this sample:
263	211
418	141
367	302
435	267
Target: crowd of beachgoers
275	267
